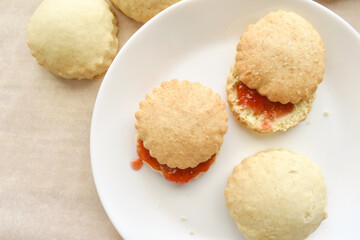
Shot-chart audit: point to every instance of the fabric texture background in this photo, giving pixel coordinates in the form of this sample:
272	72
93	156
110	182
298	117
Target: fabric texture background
46	186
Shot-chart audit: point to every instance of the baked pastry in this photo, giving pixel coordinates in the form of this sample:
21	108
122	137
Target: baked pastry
277	194
73	39
260	114
142	10
279	63
180	128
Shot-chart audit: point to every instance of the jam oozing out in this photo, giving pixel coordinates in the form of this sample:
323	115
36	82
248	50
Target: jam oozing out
175	175
136	164
250	98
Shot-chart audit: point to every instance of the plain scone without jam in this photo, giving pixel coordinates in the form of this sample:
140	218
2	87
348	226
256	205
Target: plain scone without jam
73	39
277	194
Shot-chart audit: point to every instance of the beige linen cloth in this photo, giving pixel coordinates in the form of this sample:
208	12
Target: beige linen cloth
46	185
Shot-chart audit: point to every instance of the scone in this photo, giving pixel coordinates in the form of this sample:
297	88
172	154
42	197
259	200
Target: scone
260	114
180	129
277	194
142	10
279	63
73	38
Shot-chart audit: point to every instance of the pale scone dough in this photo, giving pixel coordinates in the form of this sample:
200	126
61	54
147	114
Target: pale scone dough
73	39
181	123
255	121
281	56
278	195
142	10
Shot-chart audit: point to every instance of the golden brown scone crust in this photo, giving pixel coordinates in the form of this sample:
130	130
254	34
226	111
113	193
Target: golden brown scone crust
142	10
181	123
277	194
73	39
254	121
282	56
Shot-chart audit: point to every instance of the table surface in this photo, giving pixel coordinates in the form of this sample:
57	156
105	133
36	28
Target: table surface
46	186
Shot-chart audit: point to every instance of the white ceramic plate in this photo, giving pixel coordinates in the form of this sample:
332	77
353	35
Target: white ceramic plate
196	40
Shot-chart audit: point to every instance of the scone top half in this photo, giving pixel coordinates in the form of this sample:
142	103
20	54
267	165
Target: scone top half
277	194
181	124
142	10
282	56
73	39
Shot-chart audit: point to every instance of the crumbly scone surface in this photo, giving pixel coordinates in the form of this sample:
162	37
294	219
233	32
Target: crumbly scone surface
142	10
73	39
282	56
181	123
277	194
255	121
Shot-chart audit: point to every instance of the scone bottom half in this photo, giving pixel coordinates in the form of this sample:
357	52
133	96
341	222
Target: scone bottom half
180	128
258	113
175	175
